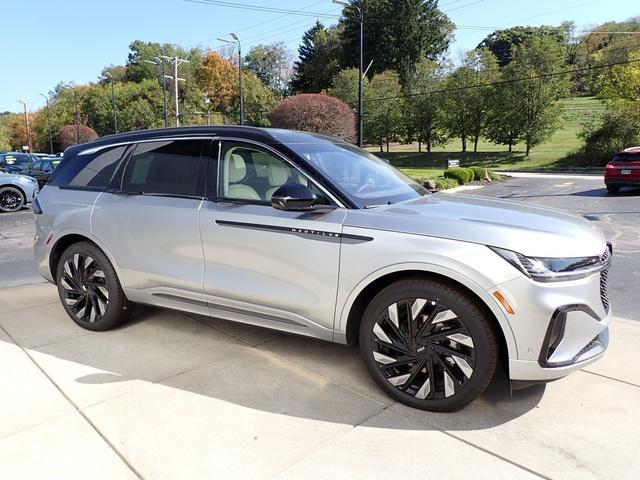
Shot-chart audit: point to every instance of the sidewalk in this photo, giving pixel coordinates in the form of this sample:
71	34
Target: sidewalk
174	396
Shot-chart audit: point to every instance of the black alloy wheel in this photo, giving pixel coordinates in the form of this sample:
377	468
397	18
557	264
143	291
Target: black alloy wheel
427	345
11	199
89	288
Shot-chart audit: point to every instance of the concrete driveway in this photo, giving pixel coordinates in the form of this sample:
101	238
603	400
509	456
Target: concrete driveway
170	395
175	396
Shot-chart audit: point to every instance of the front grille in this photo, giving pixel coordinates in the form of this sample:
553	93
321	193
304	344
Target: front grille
604	296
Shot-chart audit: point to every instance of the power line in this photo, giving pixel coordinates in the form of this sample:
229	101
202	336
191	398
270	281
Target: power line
260	8
502	82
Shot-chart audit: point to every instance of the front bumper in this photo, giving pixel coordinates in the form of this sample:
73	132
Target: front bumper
558	327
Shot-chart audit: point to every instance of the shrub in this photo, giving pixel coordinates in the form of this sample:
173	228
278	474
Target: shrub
496	177
445	183
317	113
462	175
478	173
68	135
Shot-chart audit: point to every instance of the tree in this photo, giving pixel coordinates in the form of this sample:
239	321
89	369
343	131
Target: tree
218	79
258	101
318	57
318	113
504	120
384	108
503	43
459	99
424	112
68	135
397	34
272	65
621	84
537	96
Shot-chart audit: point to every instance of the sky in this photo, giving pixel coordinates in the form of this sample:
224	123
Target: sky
45	42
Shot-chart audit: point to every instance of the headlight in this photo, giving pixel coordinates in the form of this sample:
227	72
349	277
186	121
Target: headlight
555	269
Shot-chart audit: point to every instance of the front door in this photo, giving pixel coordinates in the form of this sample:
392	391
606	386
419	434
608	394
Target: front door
266	266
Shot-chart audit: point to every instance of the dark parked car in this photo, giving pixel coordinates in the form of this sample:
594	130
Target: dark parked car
41	170
15	162
623	170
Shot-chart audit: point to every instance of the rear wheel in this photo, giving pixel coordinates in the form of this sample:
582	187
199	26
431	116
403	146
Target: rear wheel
613	189
89	288
11	199
428	345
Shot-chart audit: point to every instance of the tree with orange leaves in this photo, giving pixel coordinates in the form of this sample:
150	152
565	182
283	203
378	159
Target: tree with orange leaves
218	79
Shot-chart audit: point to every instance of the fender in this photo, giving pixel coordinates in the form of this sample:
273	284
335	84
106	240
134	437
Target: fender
342	314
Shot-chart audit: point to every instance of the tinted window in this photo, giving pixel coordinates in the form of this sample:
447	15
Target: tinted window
167	167
626	157
36	166
88	171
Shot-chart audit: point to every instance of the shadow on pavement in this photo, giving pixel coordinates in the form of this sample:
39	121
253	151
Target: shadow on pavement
269	372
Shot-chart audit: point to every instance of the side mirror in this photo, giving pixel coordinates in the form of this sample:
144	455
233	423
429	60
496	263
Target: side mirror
293	197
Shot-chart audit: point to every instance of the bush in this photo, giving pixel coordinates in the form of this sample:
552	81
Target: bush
496	177
445	183
317	113
462	175
68	135
478	173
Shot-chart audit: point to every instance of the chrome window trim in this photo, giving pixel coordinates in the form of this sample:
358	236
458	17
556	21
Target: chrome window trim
277	154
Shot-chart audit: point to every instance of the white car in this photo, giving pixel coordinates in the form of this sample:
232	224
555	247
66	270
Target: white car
310	235
16	191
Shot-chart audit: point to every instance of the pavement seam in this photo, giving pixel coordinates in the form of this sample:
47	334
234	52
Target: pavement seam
473	445
77	409
327	442
30	307
610	378
53	417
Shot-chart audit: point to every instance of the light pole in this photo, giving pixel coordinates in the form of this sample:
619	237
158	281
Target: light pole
165	113
26	121
360	65
68	86
237	43
176	62
46	99
113	103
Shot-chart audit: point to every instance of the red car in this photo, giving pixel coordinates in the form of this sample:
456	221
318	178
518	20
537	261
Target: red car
623	170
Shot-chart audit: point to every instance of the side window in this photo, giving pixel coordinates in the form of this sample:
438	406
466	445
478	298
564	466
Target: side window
89	171
249	172
36	166
167	167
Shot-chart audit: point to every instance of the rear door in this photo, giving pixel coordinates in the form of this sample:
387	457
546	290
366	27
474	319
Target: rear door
148	222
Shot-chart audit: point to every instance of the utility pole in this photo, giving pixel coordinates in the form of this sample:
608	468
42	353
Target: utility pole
26	121
237	43
113	103
360	67
176	63
165	113
48	123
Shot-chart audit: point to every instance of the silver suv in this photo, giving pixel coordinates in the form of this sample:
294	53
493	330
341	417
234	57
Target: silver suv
16	191
310	235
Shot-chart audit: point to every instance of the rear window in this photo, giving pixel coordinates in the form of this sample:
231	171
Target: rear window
626	157
166	167
88	171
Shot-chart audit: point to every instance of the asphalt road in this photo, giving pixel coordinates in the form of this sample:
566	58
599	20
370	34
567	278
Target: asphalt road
617	216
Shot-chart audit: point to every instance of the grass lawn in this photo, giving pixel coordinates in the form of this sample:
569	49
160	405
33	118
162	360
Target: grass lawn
550	156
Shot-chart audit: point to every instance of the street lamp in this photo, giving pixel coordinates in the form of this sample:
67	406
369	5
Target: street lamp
75	101
46	99
26	121
360	65
165	114
113	102
237	43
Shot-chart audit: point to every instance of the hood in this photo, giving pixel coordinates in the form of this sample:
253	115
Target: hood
529	230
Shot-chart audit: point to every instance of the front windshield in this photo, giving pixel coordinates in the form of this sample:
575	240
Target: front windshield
18	159
366	179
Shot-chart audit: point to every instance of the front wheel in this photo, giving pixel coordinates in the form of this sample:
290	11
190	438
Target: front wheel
11	199
89	288
428	345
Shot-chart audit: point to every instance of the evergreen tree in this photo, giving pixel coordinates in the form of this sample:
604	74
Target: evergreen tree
318	60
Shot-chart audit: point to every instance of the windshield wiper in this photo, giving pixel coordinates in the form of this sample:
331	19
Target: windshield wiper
379	205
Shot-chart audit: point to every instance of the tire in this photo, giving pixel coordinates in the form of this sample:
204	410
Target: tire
89	288
613	189
428	370
11	199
